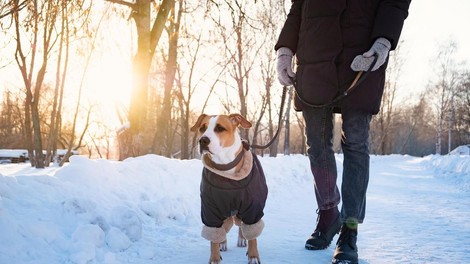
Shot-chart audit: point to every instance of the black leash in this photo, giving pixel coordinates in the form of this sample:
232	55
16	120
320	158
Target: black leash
360	77
284	92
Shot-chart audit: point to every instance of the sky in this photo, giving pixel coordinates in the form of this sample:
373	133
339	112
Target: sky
431	23
146	210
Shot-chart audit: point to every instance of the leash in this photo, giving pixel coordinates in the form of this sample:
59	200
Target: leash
360	77
281	111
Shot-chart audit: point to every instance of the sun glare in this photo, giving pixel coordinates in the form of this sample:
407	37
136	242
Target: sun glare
109	83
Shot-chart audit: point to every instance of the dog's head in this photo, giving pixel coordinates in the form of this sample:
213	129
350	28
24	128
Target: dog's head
219	133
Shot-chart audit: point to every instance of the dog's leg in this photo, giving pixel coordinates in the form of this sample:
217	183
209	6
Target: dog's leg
251	232
215	235
241	239
228	223
215	254
253	254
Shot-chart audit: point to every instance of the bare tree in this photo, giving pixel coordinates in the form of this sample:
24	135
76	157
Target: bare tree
11	121
381	127
241	45
462	110
189	81
38	19
268	20
164	137
443	90
147	41
67	14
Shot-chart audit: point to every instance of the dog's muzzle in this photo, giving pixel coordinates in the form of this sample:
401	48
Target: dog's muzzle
204	144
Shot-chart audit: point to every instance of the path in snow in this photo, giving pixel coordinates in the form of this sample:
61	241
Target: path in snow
146	210
412	217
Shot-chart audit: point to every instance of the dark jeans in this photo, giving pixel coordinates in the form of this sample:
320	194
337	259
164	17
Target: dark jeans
354	142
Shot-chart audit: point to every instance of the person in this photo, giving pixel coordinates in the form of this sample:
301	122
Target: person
333	41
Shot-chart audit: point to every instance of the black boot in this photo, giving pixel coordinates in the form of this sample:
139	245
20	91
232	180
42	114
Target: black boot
346	248
328	224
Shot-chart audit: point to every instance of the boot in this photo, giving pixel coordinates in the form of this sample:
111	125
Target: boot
346	248
328	224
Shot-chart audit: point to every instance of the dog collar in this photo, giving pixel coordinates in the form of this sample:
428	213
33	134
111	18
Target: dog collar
232	164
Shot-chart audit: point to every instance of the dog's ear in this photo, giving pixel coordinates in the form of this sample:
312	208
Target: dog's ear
239	120
198	123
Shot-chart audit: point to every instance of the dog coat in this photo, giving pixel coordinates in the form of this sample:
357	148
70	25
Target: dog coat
242	194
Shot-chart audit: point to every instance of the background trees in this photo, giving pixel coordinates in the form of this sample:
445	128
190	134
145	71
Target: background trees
187	58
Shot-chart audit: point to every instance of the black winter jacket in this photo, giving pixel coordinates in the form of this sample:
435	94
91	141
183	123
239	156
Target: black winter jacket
327	35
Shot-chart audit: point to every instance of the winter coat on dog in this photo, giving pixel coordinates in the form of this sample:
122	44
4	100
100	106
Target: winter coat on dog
242	194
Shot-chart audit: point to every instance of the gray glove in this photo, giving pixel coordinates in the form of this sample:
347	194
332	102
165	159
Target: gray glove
381	47
284	66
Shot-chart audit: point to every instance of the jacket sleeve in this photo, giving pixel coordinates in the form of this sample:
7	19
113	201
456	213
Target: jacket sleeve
390	18
289	35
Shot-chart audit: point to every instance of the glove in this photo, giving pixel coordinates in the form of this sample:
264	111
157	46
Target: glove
284	66
380	48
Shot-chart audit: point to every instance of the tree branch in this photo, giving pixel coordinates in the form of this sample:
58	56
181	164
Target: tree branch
121	2
14	10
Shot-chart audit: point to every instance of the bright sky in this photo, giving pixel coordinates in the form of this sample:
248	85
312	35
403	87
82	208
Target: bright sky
431	23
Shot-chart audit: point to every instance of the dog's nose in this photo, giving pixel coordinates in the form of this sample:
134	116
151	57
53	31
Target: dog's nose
204	141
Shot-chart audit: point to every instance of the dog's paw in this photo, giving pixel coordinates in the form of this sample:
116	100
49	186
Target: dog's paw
254	260
215	261
241	242
223	246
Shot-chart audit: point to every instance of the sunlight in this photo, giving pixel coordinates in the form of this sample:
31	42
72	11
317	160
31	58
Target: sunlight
109	84
110	81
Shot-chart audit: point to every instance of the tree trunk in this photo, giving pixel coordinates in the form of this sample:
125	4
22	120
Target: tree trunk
140	73
147	41
164	135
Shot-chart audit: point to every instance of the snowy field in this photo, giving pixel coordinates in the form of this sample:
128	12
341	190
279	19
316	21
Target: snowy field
146	210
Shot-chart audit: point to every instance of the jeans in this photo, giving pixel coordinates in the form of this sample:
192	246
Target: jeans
355	146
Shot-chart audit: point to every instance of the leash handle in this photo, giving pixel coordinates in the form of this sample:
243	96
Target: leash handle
360	77
283	99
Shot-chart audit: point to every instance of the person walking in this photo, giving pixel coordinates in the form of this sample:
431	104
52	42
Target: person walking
333	41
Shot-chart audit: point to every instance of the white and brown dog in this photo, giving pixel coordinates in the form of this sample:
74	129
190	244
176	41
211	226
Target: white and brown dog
233	186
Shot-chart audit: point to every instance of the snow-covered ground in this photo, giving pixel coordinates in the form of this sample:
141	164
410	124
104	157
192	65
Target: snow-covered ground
146	210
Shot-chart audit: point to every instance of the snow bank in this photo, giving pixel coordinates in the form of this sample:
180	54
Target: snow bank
454	168
91	210
147	210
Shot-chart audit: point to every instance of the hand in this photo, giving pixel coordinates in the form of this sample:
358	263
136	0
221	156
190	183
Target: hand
284	66
380	48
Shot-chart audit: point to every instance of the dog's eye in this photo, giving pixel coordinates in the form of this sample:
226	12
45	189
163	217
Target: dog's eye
203	128
219	128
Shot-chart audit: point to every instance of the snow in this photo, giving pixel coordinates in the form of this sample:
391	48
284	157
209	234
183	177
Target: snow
13	153
147	210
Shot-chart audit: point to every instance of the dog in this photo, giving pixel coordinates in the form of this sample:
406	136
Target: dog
233	185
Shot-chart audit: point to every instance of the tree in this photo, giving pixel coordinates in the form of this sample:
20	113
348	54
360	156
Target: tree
11	121
382	124
462	110
268	19
66	23
147	41
444	88
164	136
195	75
35	26
241	45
